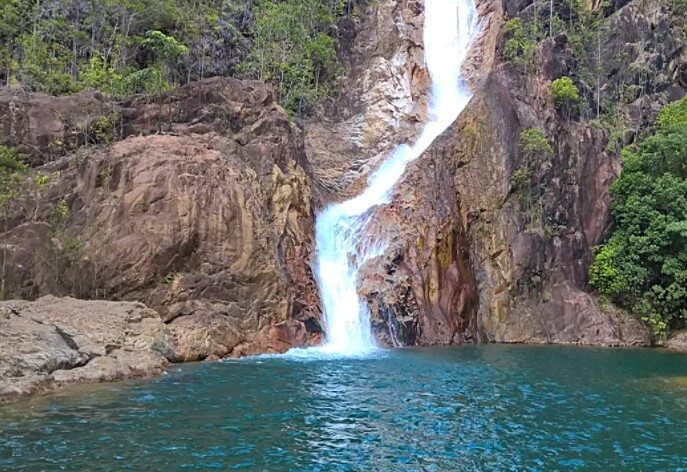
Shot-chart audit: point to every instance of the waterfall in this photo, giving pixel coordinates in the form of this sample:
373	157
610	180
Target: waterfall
340	230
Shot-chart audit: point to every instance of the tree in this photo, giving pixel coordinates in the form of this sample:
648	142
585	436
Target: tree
521	43
293	50
122	47
643	266
565	95
163	50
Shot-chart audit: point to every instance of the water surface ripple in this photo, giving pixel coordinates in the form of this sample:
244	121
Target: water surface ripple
471	408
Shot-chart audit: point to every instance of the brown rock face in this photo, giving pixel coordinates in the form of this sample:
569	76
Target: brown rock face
425	292
382	103
531	270
209	223
465	259
47	127
56	341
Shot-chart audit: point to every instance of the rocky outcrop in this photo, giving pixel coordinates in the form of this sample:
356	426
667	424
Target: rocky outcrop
200	203
47	127
677	341
58	341
382	103
201	209
531	266
466	260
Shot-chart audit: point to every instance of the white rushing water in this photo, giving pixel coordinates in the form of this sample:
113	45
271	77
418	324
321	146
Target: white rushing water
342	245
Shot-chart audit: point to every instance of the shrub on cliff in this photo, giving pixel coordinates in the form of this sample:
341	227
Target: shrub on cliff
12	170
643	266
536	149
535	145
565	95
521	43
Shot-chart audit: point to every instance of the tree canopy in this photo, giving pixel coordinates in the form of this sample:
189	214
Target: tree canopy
121	47
643	266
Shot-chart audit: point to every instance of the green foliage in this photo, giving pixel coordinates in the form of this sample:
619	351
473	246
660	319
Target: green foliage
122	47
104	130
522	41
535	145
565	94
614	122
63	255
150	80
162	46
673	115
604	274
60	47
520	180
41	180
60	214
13	167
531	197
45	66
294	51
643	266
97	74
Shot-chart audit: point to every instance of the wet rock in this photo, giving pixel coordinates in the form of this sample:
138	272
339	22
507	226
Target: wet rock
421	290
381	104
277	339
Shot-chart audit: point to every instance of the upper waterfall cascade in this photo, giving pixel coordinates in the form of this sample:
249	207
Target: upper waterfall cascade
340	231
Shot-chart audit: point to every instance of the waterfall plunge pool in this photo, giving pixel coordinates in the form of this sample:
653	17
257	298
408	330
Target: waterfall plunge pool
490	407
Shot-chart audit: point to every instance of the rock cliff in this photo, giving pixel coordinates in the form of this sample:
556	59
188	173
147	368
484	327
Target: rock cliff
200	204
532	272
200	207
466	260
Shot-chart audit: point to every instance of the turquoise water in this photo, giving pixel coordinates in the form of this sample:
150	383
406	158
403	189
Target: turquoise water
471	408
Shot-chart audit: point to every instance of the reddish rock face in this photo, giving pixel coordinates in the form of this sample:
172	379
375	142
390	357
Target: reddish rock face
464	261
532	278
208	222
203	206
422	291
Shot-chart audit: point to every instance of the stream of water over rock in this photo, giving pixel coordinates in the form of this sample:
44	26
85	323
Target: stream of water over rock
342	243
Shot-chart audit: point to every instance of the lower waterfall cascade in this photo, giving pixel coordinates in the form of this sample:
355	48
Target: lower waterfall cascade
342	245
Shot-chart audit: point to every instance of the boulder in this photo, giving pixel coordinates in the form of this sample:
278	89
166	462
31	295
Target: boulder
677	341
53	341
